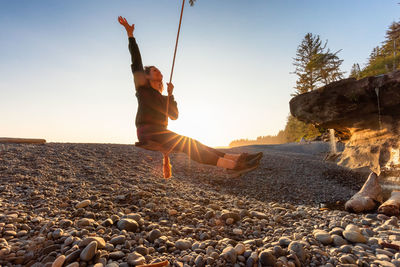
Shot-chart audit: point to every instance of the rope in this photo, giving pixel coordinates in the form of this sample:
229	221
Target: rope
176	47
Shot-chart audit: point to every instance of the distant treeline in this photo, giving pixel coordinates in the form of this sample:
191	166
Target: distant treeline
261	140
293	132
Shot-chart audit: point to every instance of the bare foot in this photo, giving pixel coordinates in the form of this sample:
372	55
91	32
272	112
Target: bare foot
391	207
368	197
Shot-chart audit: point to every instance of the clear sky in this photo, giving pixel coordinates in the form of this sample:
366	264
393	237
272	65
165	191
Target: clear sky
65	66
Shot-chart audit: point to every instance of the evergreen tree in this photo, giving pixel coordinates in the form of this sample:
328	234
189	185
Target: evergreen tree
329	68
384	58
355	71
315	65
304	62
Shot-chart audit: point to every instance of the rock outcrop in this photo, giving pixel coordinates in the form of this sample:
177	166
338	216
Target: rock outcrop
367	111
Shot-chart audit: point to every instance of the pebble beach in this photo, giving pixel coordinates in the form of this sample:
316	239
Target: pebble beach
65	204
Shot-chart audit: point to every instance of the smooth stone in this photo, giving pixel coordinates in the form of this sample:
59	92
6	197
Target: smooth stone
382	251
352	227
135	258
354	236
116	255
230	221
252	260
57	233
129	225
85	222
228	214
73	256
83	204
278	251
100	242
384	263
65	223
134	216
199	261
154	234
107	222
229	254
172	212
142	250
382	217
336	231
183	244
59	261
347	259
237	231
240	249
10	233
298	249
118	240
284	241
259	215
266	258
323	236
89	251
338	241
383	257
346	249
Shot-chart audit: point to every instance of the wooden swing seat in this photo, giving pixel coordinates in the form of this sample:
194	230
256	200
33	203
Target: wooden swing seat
152	146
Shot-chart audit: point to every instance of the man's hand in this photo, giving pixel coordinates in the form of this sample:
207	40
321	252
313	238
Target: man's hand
170	88
129	28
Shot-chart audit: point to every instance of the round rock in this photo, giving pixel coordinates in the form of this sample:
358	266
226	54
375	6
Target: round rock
354	236
298	249
129	225
323	237
266	258
83	204
154	234
89	251
183	244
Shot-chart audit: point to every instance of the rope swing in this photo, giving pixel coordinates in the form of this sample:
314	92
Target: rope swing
166	162
176	48
150	145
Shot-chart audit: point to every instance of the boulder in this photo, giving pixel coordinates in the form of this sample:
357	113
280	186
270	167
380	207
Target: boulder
350	107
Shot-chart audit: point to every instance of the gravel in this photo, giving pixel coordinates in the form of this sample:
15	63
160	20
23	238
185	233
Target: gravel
108	205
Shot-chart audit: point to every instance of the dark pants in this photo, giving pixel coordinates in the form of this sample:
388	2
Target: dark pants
179	143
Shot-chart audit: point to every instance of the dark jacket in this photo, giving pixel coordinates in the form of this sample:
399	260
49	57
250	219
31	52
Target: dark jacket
152	104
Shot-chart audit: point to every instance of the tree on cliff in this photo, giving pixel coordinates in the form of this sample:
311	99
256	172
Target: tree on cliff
384	58
315	65
355	71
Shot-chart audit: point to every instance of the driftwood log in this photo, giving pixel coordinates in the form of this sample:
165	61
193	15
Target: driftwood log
368	197
22	140
391	207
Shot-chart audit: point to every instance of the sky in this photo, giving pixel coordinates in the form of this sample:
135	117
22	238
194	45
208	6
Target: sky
65	66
